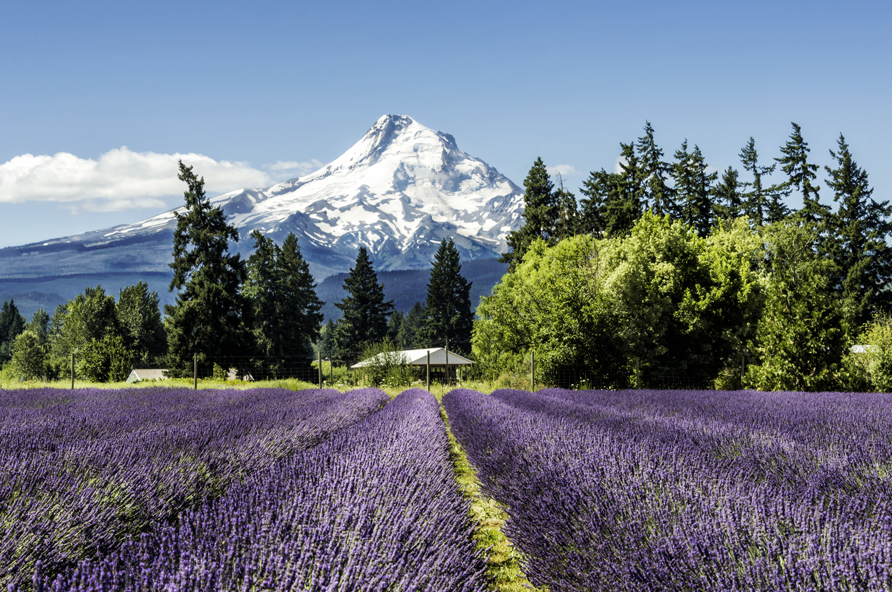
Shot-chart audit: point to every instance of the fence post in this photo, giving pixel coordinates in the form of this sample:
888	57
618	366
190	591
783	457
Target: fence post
428	370
331	371
637	373
320	368
742	367
195	371
532	371
72	370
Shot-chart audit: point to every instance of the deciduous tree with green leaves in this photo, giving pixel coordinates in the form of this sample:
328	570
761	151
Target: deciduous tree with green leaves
139	322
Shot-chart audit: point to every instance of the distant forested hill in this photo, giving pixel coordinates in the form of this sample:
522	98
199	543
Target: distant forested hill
406	287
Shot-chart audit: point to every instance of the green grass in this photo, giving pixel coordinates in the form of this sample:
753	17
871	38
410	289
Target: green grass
503	560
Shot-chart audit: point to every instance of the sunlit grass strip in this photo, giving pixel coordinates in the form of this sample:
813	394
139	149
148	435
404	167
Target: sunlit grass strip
502	558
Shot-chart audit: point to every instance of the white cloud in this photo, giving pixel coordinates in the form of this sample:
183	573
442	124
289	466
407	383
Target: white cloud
293	167
565	170
118	180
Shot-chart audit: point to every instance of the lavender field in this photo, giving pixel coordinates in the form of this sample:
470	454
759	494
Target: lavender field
675	490
271	489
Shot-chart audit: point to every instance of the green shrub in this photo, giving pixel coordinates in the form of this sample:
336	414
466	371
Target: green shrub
385	364
106	360
878	357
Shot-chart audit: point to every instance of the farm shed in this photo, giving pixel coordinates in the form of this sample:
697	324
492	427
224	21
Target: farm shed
146	374
418	357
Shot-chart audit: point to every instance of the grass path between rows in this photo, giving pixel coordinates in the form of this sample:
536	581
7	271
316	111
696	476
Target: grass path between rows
503	560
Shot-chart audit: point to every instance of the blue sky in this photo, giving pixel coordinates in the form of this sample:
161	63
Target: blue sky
262	91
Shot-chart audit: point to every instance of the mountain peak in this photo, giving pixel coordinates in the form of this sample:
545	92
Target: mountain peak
398	191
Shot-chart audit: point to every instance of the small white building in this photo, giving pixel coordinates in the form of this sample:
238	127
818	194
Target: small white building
419	357
147	374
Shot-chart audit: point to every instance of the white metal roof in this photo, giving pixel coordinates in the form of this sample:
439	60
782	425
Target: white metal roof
418	357
146	374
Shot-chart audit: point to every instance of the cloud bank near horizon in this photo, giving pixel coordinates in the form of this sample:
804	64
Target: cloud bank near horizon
121	179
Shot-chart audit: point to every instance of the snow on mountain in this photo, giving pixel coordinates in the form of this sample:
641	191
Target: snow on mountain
398	191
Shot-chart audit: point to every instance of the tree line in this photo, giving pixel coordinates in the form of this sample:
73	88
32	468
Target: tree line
261	314
664	266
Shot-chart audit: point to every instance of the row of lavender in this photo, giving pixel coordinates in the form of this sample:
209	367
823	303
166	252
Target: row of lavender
375	507
81	471
671	490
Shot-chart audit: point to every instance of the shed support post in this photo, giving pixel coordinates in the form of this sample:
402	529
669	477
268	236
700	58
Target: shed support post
428	370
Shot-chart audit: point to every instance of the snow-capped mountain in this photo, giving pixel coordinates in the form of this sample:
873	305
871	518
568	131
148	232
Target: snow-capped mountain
398	191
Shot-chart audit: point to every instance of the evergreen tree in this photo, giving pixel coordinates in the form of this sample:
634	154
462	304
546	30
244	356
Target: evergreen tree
693	186
139	321
326	343
858	242
12	323
365	311
211	317
801	175
298	306
394	323
540	214
760	205
262	290
449	316
727	202
656	194
624	205
568	213
597	191
410	329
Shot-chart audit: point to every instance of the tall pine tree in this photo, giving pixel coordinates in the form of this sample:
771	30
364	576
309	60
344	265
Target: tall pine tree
365	311
801	176
211	316
448	305
12	323
540	215
693	186
727	201
298	306
858	242
286	309
761	205
656	194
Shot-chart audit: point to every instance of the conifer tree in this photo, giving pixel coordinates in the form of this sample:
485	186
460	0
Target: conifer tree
727	202
656	194
597	191
540	214
693	186
624	206
757	200
448	305
365	311
298	306
211	317
12	323
286	308
801	176
409	335
858	242
568	212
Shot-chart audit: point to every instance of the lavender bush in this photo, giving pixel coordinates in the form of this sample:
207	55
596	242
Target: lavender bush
678	490
375	507
81	470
